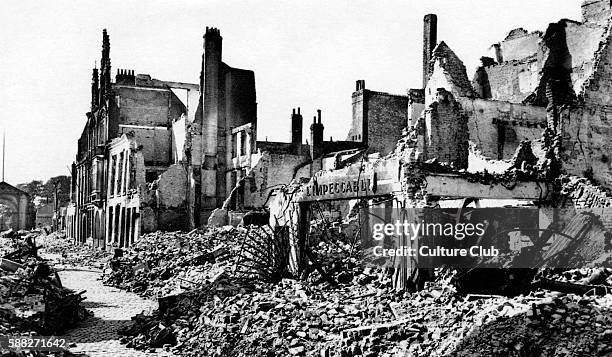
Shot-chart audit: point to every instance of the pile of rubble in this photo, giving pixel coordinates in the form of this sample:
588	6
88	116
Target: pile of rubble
65	253
32	298
356	319
18	244
340	308
161	264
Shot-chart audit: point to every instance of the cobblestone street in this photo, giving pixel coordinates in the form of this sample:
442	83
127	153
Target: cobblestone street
112	309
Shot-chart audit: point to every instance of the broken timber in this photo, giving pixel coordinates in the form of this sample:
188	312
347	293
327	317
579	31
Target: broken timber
385	177
382	178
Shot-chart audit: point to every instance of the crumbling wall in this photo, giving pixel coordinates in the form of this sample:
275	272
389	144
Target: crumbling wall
270	171
156	143
513	81
449	73
596	11
522	57
416	105
586	197
171	186
148	219
588	128
496	128
147	106
172	198
446	131
520	44
582	42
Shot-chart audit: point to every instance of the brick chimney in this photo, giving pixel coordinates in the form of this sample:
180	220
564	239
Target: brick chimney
430	40
316	136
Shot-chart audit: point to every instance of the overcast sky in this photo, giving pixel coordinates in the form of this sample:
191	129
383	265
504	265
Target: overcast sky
306	53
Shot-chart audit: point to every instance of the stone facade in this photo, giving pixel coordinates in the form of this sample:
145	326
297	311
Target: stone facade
18	210
127	143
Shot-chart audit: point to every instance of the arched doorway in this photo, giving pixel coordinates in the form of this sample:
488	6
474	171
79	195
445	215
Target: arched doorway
6	217
83	228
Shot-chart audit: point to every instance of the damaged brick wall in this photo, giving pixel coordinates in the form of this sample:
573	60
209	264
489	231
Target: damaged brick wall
585	196
147	106
520	44
156	143
487	117
386	117
588	127
513	81
378	119
270	171
171	195
446	131
448	72
582	42
596	11
520	70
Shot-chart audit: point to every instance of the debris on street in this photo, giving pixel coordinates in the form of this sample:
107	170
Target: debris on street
207	309
32	298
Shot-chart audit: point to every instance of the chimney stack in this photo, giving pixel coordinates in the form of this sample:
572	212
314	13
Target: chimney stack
296	127
430	40
359	85
316	136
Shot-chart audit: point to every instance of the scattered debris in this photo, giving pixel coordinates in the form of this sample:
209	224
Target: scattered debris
32	298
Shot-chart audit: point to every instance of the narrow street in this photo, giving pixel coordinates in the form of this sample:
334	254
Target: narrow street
112	309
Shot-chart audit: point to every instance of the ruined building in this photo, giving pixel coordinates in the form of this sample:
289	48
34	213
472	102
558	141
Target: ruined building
126	150
268	165
531	128
142	157
163	155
